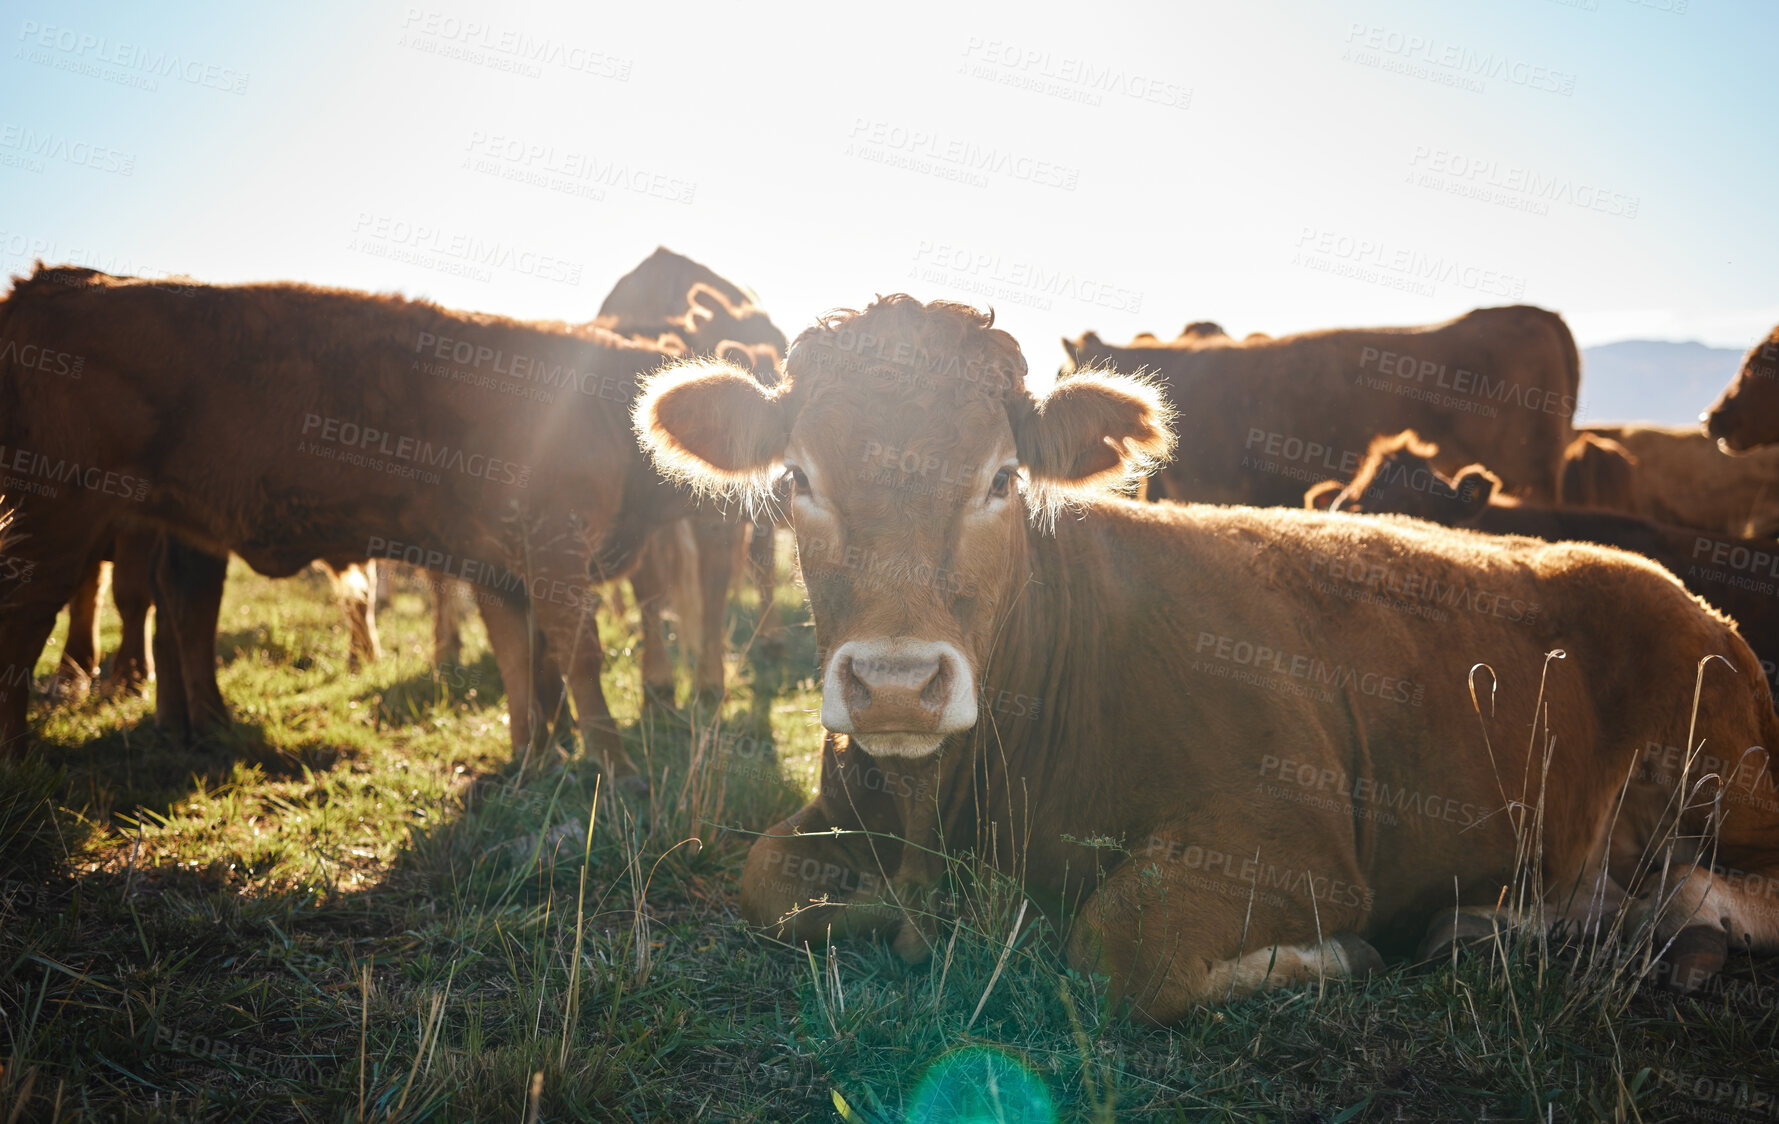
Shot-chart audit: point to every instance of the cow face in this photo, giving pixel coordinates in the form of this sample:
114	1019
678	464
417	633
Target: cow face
1746	415
1398	477
912	459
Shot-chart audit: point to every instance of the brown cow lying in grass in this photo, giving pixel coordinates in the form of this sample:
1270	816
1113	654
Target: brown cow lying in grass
1739	576
1262	419
1120	702
286	422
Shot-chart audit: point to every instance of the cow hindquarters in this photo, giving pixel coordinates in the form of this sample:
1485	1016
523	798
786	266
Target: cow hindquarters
1180	925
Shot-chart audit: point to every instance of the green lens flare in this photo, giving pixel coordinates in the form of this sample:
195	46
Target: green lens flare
980	1085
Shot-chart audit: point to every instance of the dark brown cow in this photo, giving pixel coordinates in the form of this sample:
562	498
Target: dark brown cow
1680	476
1746	415
691	308
1599	472
1262	419
286	422
1738	575
1155	715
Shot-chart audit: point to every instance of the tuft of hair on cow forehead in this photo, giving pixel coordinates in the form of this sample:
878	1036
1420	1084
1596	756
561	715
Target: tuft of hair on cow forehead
937	351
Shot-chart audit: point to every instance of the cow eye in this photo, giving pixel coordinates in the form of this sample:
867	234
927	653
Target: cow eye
799	482
997	489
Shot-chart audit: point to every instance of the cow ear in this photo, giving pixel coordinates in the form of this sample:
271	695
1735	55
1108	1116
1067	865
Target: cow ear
1094	431
711	425
1073	349
1321	497
1475	487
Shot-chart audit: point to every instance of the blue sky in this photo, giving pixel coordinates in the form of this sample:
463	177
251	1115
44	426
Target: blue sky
1272	165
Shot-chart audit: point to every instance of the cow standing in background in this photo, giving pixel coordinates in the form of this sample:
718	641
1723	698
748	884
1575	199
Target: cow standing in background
1179	657
1680	476
1262	418
687	309
1746	415
287	422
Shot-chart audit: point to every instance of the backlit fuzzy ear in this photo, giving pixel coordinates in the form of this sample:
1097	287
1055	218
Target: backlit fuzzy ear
710	425
1095	431
1321	497
1072	348
1475	486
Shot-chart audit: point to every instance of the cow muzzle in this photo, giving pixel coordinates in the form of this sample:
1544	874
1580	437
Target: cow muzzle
898	698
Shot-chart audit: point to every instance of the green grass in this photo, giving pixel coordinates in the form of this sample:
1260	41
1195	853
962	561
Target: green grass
358	906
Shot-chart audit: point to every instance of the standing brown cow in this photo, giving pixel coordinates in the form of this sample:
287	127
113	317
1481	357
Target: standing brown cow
286	422
1262	419
1746	415
1154	715
1679	475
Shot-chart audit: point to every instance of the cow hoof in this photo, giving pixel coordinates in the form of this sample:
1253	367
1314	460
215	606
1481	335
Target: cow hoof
1697	954
657	699
708	699
912	944
634	787
1357	958
68	687
1457	928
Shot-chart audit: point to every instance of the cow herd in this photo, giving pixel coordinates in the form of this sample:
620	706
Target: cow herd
1099	636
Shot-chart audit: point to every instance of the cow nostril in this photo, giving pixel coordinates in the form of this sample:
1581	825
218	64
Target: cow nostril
858	692
935	692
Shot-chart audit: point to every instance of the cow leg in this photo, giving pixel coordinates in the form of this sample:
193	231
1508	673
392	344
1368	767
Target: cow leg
188	600
718	544
571	631
799	861
132	591
509	635
1711	911
1180	924
762	557
648	587
355	588
80	652
447	621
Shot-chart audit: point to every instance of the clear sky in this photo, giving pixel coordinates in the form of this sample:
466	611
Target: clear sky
1275	165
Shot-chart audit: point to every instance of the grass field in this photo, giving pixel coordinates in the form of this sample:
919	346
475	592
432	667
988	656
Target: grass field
360	907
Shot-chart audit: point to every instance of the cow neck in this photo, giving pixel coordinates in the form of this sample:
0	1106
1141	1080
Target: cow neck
1023	773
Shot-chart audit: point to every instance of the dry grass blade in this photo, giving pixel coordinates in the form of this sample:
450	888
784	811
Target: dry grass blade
1000	965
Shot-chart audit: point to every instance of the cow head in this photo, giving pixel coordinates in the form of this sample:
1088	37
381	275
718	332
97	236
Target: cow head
1398	477
1746	414
912	457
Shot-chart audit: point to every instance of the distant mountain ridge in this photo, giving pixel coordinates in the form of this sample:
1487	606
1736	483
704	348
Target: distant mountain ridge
1652	381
